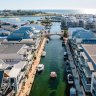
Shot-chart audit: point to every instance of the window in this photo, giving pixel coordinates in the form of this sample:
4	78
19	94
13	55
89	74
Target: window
94	92
12	80
88	80
95	77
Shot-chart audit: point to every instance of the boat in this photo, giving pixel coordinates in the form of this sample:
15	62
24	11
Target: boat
68	69
40	67
43	54
24	24
47	40
65	55
72	91
63	43
70	78
53	75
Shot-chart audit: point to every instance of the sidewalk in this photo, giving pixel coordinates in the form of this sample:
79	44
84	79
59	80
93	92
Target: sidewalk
25	91
79	89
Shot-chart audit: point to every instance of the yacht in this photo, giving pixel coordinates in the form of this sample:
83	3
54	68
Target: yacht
70	78
53	75
43	54
65	55
72	91
40	67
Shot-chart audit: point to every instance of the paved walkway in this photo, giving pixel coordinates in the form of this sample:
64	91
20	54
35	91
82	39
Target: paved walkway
25	91
79	89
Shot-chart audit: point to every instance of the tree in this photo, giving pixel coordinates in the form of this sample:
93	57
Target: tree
65	33
31	22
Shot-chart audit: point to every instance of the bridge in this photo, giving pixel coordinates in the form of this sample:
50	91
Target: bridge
50	34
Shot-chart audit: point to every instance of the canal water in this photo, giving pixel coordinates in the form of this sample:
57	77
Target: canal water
53	61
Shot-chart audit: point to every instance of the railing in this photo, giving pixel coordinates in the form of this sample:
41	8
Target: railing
49	34
6	88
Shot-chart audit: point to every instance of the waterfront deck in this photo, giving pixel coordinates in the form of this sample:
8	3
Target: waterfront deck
25	90
79	88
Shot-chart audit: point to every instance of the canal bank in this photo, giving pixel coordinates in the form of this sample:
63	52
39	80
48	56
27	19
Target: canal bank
25	90
54	61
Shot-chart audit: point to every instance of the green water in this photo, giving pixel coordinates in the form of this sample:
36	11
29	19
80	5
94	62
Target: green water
53	61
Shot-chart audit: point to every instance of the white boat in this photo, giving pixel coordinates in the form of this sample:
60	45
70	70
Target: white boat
40	67
65	54
43	53
72	91
53	75
70	78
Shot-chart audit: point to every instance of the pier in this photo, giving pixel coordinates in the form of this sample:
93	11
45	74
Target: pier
25	90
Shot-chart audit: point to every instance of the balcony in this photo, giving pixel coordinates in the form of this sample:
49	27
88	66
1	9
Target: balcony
86	86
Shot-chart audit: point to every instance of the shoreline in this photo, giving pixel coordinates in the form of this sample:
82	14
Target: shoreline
25	90
37	15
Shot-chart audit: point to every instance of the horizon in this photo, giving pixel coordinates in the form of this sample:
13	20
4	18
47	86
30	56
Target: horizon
85	11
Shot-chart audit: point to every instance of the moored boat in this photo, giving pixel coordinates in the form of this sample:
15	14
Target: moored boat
72	91
70	79
53	75
43	53
65	55
40	67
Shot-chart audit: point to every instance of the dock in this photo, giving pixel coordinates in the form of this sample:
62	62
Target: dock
79	88
25	90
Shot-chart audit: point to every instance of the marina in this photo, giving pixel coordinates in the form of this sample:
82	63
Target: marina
25	90
47	58
55	66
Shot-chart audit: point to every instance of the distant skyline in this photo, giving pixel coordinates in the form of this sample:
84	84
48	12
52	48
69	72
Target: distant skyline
47	4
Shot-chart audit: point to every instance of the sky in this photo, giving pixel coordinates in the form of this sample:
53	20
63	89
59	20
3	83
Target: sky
47	4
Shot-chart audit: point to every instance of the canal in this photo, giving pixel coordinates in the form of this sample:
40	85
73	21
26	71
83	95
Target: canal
53	61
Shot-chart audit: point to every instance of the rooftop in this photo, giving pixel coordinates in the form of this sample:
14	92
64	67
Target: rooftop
90	66
81	33
90	50
14	72
10	48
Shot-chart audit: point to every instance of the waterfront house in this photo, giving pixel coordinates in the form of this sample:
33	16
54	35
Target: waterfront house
16	60
26	32
93	84
88	65
69	21
79	34
9	26
85	60
83	45
4	33
20	34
